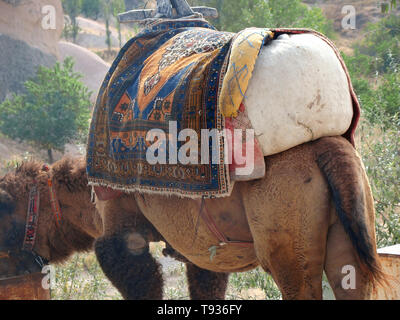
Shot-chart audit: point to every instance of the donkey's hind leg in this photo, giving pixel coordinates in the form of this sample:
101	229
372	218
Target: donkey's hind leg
346	278
206	285
203	284
288	214
290	243
297	270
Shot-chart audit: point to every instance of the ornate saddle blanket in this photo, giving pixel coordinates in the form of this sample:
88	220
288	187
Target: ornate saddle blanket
164	81
166	87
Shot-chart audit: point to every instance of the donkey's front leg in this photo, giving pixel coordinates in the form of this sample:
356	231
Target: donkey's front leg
123	251
128	264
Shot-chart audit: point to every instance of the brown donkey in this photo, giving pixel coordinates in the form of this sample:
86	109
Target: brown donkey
80	226
312	212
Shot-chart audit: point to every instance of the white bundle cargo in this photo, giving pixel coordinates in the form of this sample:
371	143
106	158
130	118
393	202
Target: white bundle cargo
299	92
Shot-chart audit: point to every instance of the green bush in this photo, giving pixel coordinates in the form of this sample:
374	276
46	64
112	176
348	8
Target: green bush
382	42
374	69
240	14
54	110
380	150
256	278
72	8
91	8
381	101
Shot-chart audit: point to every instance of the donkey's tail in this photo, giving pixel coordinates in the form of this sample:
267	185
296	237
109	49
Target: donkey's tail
351	194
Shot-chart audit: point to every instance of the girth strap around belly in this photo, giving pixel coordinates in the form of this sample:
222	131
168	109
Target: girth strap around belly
212	226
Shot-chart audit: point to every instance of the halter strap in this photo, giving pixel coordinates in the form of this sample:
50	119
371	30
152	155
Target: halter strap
55	205
32	216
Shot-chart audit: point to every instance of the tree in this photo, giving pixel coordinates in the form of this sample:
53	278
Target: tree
91	8
375	71
134	4
118	6
54	110
388	5
106	5
112	8
73	9
239	14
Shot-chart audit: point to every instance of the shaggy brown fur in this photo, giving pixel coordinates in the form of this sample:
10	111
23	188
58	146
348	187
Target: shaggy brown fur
203	283
312	212
134	273
141	274
80	225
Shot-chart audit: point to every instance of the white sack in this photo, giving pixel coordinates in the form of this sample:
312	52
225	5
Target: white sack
299	92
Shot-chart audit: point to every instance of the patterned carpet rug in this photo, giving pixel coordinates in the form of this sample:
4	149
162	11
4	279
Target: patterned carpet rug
172	71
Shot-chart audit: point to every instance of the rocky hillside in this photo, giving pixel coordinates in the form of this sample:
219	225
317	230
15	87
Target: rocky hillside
24	50
367	11
24	44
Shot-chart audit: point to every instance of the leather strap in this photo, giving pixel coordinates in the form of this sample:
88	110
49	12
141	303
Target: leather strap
212	226
32	218
54	202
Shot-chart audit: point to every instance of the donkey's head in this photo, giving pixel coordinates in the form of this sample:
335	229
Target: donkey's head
14	194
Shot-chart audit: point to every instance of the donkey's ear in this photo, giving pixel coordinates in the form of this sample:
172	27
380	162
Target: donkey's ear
7	204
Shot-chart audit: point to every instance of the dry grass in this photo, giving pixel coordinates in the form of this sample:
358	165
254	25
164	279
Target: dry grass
81	278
